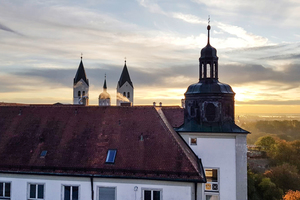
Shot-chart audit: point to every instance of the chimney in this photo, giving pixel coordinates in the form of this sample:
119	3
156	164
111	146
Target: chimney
125	104
160	104
154	104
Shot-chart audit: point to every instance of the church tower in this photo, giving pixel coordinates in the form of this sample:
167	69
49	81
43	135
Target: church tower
210	130
104	97
81	86
124	88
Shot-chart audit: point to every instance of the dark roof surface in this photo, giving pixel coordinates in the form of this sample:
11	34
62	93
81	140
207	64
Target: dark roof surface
80	74
125	77
212	87
77	140
174	114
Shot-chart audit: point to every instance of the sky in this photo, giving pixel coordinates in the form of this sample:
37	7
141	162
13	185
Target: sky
41	42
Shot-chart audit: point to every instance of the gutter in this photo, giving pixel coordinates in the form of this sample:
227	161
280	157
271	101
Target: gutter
100	176
92	186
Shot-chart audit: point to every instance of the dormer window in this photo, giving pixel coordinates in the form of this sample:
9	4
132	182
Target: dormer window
83	93
124	94
79	93
111	155
128	94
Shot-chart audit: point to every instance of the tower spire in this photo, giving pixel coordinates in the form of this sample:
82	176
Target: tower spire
208	29
104	85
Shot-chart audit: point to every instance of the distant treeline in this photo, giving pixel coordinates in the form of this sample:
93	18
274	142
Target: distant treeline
288	130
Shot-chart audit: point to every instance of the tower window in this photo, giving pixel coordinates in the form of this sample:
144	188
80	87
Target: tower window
124	94
208	70
210	112
128	94
79	94
83	93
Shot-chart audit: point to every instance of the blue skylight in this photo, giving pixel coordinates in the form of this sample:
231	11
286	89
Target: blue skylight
111	155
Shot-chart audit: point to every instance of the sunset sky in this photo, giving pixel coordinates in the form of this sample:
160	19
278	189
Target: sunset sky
41	42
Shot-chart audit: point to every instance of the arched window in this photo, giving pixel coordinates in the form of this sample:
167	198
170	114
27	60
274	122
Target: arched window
79	94
208	70
128	95
210	112
83	93
124	94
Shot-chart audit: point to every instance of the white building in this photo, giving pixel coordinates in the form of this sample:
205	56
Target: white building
124	88
81	86
104	97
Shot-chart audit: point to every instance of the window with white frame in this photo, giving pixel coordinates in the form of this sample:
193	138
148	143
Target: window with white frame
70	192
152	194
212	185
4	190
36	191
107	193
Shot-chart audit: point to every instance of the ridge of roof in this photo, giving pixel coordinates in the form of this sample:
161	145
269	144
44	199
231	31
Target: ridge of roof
182	144
80	74
125	77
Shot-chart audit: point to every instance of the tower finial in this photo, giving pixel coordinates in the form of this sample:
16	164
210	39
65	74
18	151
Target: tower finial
81	56
208	28
125	59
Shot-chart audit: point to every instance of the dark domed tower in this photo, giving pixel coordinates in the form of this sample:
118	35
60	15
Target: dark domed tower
209	104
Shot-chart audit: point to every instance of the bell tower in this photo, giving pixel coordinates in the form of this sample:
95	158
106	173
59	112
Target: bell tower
211	132
81	86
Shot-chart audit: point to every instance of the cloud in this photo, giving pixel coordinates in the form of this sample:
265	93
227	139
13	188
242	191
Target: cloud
189	18
5	28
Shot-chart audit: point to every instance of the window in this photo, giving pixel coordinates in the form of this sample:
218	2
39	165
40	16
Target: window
124	94
4	190
128	95
79	94
212	185
107	193
43	154
70	192
210	112
152	194
212	197
83	93
36	191
111	155
193	141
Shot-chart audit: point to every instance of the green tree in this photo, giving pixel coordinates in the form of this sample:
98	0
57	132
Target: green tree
285	176
266	142
269	190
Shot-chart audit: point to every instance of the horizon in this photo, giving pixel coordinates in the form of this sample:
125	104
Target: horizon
258	50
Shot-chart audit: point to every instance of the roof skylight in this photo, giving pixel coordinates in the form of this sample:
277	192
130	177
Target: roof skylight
111	155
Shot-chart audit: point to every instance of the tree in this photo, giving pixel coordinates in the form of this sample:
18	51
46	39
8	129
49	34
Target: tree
269	190
266	142
285	176
292	195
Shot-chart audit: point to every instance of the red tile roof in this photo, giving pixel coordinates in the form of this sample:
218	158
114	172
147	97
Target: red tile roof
77	140
174	114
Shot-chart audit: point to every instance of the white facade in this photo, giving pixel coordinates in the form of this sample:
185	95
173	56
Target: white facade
227	153
125	189
81	93
124	93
